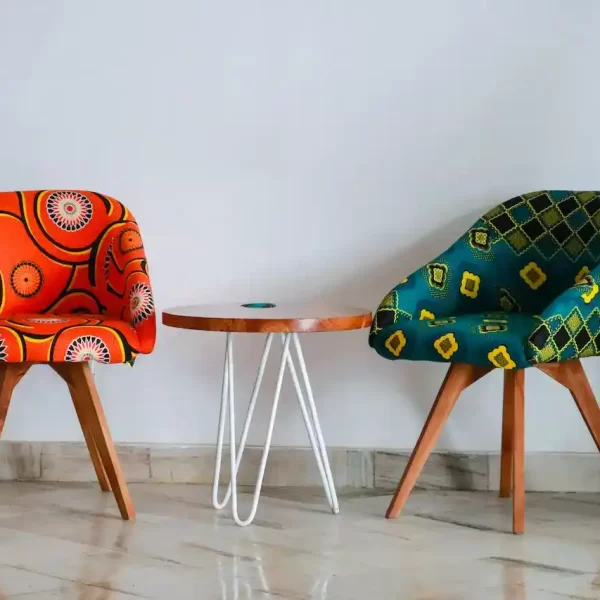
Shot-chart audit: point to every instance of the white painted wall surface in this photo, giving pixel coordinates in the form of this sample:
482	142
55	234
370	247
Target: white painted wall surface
287	150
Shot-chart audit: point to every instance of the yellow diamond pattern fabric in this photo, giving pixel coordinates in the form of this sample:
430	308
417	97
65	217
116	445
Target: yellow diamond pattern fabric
518	288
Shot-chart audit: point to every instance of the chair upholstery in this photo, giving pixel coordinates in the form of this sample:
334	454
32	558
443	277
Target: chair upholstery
520	287
74	282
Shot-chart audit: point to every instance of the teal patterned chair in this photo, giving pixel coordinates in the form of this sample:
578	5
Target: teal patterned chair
519	289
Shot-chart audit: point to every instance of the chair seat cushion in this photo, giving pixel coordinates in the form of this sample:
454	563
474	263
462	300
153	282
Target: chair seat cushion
486	339
66	338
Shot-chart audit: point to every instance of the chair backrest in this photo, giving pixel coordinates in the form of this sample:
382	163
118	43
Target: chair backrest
539	244
64	251
518	257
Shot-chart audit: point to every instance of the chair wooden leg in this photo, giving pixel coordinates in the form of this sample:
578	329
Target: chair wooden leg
84	388
64	370
506	457
515	390
584	398
10	375
556	371
572	375
459	377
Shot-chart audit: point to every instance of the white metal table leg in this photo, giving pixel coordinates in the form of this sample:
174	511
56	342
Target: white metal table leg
249	414
265	454
221	429
329	484
320	455
227	413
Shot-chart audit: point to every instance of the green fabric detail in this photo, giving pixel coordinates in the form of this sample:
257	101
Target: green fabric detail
570	325
551	217
466	338
519	260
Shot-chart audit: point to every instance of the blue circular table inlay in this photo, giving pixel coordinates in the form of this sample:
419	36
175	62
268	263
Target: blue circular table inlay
258	305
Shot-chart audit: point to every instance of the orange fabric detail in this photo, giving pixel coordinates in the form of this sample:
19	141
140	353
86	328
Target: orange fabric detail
74	281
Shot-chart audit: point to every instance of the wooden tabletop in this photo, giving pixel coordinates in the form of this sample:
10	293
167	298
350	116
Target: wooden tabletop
267	317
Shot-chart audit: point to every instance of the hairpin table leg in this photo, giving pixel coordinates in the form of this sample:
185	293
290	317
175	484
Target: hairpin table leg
227	413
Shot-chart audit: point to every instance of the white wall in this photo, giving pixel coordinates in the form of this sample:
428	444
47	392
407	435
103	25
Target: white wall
295	150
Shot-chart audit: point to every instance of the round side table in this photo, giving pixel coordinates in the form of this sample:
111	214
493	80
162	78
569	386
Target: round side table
288	320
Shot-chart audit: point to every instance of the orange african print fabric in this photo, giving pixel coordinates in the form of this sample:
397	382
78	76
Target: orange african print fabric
74	282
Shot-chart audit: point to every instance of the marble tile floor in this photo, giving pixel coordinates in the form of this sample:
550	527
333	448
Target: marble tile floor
66	541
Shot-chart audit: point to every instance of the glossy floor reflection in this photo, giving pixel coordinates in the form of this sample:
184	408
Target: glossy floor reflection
66	541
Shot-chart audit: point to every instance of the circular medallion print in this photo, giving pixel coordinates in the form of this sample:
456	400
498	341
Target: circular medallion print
130	239
141	303
26	279
86	348
70	211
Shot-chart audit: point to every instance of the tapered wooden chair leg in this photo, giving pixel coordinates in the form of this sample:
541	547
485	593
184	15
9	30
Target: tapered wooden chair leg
506	457
10	375
459	377
515	382
583	395
64	370
571	374
93	415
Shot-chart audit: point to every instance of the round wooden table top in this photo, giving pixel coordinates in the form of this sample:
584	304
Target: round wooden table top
265	317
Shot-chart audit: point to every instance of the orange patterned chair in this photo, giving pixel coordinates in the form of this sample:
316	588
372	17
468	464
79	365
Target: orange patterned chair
74	288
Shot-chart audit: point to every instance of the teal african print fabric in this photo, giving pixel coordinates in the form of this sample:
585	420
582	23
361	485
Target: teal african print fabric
518	288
